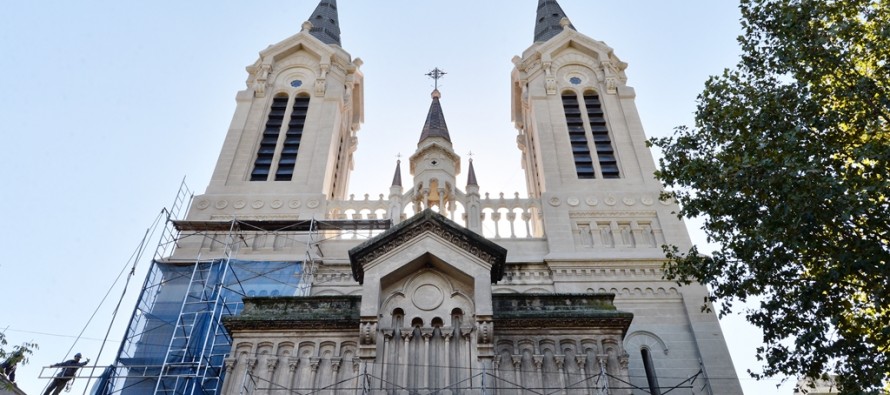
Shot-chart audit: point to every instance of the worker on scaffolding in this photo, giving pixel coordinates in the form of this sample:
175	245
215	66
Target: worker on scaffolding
7	368
66	375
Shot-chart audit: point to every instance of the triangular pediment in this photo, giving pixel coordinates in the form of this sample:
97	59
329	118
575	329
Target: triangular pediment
300	41
422	226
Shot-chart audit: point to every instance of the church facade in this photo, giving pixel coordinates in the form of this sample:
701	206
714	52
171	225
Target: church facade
567	297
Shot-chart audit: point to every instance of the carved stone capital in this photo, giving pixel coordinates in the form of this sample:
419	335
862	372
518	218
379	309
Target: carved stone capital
466	330
623	360
560	361
447	333
517	361
335	364
271	363
550	84
251	363
581	360
356	364
293	363
230	364
427	333
539	361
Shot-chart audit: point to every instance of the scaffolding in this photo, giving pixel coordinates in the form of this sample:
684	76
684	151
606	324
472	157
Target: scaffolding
175	342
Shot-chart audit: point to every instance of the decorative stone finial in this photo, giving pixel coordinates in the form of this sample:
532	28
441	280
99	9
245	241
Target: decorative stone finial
307	26
436	94
564	22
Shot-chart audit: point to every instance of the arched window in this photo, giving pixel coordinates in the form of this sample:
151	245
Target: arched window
291	146
266	152
601	139
650	372
577	136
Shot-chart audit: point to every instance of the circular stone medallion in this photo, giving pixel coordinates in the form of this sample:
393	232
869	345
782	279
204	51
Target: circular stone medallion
428	297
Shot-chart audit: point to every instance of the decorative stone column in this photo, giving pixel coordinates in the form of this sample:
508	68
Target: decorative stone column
560	361
292	364
229	365
269	376
517	371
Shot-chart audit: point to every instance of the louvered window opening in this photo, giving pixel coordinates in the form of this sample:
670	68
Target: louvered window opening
577	137
288	160
266	152
601	139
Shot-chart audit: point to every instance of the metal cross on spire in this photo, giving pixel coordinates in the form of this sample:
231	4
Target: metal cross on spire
435	75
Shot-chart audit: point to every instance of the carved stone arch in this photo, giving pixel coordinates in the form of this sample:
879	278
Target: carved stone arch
327	349
505	290
591	91
285	349
547	345
356	292
389	302
526	345
291	70
573	54
244	347
568	344
536	291
265	347
460	295
278	93
307	349
570	91
348	349
506	345
414	278
588	76
645	339
305	63
589	345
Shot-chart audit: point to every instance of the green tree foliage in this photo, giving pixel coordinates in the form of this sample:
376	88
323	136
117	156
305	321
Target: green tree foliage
789	164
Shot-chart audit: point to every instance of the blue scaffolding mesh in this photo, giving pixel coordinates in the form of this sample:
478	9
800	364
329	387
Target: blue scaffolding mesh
175	343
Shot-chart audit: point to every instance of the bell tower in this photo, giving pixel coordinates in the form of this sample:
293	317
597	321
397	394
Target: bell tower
293	134
577	121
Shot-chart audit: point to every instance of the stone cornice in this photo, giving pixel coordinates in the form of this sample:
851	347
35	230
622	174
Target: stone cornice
300	312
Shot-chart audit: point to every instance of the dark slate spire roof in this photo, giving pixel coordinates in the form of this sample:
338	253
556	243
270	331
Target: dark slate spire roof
325	23
547	22
397	178
471	176
435	121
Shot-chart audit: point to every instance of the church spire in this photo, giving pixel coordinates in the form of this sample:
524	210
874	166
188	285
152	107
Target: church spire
435	120
326	23
549	20
397	177
471	176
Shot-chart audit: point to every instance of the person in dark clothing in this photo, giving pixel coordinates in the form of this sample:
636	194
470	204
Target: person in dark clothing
7	368
68	372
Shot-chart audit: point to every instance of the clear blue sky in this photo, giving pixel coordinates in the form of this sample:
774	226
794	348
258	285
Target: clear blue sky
107	105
